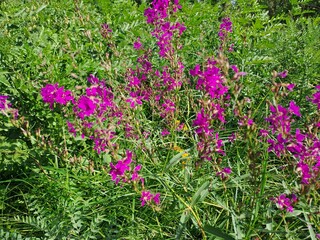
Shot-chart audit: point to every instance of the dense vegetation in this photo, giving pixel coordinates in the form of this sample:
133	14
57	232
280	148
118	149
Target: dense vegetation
159	120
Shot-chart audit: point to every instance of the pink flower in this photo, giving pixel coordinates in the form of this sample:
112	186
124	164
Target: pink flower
225	28
224	173
137	45
165	132
4	104
304	171
52	93
284	202
5	107
105	30
86	106
291	86
295	109
135	176
134	99
147	197
283	74
202	123
117	171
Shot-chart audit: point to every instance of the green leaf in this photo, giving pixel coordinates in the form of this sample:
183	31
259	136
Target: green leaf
217	232
200	195
176	159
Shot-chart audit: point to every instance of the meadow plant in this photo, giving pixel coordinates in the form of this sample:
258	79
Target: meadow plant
6	107
157	89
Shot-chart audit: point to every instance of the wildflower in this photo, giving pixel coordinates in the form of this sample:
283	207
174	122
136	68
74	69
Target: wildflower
294	109
86	106
316	97
224	173
71	128
92	79
105	30
135	176
3	102
117	171
52	93
246	121
147	197
134	99
169	107
304	171
165	132
137	45
284	202
237	73
5	107
225	28
283	74
202	123
291	86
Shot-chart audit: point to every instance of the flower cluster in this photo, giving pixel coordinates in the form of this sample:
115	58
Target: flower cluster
122	169
316	97
164	30
283	74
225	28
224	173
213	83
6	107
105	30
96	116
211	80
304	147
148	198
285	202
52	93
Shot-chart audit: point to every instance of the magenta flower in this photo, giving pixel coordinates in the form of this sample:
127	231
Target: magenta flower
4	104
224	173
283	74
304	171
165	132
135	175
52	93
156	199
5	107
225	28
295	109
284	202
147	198
92	79
202	123
118	171
169	107
316	97
86	106
137	45
105	30
71	128
134	99
291	86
